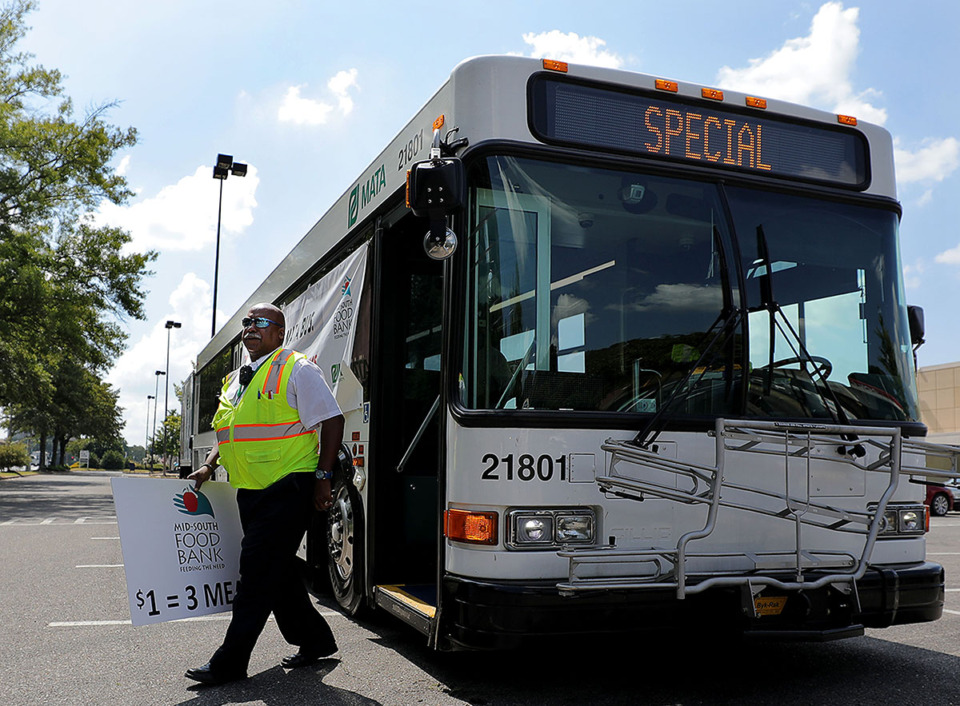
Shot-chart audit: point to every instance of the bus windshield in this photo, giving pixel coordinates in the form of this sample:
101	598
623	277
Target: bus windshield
612	291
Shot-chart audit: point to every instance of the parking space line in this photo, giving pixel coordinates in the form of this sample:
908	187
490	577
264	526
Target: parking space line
104	538
198	619
951	612
98	566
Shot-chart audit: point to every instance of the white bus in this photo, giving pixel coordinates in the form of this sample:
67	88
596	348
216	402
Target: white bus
656	370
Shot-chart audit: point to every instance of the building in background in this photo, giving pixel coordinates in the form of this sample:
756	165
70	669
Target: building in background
939	388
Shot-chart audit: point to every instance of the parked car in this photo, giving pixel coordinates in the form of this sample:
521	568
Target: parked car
954	487
939	499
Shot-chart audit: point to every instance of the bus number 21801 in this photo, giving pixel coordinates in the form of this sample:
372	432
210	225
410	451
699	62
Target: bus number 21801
524	467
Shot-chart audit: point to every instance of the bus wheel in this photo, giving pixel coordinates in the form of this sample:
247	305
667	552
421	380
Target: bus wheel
345	547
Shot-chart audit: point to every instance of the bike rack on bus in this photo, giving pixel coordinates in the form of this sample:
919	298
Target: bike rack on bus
637	473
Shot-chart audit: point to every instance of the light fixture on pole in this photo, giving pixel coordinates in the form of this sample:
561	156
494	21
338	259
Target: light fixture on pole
156	396
146	437
224	167
166	390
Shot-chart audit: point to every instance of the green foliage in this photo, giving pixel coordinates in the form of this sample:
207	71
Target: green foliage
13	455
112	460
65	283
135	453
167	440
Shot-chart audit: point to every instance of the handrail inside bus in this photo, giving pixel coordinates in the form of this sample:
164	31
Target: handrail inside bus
416	437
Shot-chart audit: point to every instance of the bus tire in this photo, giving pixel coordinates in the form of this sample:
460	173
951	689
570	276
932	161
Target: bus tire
345	546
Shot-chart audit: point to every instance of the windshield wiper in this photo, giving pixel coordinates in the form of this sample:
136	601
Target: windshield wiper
778	321
722	328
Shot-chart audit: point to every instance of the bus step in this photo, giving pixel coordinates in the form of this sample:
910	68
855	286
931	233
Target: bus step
414	605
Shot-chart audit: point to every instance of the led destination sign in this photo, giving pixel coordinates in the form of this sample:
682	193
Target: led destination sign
637	122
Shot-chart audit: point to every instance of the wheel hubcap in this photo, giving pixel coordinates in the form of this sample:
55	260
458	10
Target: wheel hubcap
340	535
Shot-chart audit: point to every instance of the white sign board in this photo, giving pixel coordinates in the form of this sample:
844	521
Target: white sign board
322	323
181	547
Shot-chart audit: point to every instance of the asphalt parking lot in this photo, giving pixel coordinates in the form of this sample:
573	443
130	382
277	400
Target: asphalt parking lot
67	639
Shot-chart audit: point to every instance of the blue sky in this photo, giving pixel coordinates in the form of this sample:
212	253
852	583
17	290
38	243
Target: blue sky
308	93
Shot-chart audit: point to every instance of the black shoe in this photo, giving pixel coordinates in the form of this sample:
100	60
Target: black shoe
208	675
306	656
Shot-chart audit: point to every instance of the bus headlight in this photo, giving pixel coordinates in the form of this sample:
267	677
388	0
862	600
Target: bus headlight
540	529
902	521
534	530
911	522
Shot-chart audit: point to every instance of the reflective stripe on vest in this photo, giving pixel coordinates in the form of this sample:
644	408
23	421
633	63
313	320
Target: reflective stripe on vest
261	437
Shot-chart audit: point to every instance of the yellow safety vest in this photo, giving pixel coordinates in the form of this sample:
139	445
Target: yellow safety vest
261	437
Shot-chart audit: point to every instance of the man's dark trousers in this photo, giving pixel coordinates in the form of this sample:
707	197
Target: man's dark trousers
273	521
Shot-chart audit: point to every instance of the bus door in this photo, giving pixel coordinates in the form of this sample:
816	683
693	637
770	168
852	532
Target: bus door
405	422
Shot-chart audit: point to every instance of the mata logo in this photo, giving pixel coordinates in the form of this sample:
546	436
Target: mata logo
192	502
364	193
354	206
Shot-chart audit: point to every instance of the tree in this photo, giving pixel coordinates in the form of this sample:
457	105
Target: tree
13	455
166	443
64	283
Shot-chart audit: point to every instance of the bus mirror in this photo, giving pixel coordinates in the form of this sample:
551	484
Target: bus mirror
435	190
915	316
435	187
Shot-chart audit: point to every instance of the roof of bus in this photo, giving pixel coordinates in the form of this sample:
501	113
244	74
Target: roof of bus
485	99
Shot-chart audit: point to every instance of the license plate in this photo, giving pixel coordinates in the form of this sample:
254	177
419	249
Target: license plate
769	605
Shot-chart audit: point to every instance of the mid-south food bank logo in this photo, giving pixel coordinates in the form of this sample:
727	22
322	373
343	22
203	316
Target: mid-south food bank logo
193	502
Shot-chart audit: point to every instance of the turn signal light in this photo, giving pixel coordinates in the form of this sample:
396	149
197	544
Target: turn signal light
470	526
663	84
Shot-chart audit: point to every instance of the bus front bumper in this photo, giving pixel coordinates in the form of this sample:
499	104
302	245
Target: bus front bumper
506	615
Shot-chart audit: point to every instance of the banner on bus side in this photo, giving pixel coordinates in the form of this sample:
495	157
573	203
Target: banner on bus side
322	323
181	547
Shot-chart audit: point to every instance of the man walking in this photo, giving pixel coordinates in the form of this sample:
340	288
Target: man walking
267	440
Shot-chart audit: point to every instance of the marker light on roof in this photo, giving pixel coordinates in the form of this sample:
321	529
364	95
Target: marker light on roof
663	84
552	65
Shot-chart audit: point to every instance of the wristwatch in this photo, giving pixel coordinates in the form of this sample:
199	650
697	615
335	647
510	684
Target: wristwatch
324	475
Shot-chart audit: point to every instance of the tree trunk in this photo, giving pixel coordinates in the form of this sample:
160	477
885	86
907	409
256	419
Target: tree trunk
43	451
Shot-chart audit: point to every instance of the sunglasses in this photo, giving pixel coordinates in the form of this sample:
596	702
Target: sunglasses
259	322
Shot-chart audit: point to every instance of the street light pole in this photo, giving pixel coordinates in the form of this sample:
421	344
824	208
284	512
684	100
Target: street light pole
166	390
224	167
156	397
216	260
146	436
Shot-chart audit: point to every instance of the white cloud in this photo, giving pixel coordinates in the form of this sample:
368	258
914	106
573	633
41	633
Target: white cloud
913	274
307	111
812	70
934	161
681	297
183	216
124	165
340	85
571	47
134	374
949	257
